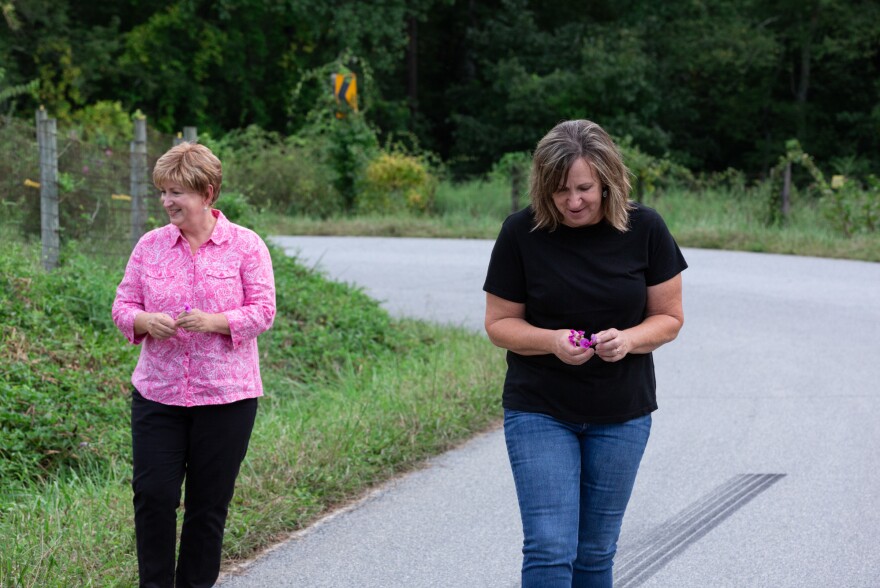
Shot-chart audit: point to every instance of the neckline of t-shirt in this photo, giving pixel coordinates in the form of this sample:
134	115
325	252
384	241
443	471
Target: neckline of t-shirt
584	228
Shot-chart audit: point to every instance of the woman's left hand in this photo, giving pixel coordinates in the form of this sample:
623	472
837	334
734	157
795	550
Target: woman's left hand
195	321
612	345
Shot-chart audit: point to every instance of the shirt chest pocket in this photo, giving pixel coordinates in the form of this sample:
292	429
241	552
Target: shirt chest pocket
164	290
223	284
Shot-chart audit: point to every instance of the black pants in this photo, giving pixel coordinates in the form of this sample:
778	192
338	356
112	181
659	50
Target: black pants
205	445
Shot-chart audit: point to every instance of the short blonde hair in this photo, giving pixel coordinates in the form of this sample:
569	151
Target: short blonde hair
553	157
191	166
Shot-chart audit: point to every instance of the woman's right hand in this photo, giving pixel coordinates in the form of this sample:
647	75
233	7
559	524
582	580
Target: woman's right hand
160	326
568	353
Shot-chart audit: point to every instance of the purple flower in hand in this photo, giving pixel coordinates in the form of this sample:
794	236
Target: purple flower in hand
579	339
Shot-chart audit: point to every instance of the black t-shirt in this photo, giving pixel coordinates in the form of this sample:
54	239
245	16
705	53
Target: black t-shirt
588	278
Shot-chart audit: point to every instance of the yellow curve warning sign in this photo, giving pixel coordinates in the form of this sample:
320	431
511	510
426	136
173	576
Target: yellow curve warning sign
345	90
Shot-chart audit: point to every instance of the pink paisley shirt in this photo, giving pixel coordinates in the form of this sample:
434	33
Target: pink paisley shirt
231	274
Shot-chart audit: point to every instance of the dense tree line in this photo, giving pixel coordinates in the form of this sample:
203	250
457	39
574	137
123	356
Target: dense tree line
714	84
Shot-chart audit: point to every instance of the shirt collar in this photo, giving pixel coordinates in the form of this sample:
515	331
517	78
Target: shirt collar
222	230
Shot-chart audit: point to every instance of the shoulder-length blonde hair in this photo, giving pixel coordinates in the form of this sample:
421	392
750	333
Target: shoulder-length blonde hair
553	157
191	166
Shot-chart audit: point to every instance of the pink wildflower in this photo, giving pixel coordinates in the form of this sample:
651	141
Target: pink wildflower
579	339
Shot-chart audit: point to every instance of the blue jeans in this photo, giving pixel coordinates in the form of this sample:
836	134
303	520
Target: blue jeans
573	482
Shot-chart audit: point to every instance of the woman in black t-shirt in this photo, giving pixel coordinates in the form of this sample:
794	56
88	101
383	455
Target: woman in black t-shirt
582	286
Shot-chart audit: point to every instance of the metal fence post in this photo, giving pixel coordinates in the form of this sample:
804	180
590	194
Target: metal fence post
190	134
138	179
47	139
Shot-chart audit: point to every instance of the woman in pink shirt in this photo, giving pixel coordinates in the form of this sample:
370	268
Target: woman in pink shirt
196	294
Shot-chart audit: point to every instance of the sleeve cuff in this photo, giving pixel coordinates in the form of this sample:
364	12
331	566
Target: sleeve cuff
133	338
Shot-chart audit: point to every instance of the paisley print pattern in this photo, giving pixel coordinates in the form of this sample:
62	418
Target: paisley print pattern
230	274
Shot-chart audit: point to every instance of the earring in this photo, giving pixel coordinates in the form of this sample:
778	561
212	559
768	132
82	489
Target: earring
605	193
206	209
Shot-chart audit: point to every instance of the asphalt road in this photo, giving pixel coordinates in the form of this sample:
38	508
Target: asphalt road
761	471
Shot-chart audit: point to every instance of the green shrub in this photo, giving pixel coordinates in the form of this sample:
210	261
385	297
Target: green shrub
286	175
651	175
64	369
395	182
851	207
351	143
237	209
104	124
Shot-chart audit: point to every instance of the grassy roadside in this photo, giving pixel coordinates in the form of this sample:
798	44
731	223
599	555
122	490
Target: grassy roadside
713	219
317	449
353	398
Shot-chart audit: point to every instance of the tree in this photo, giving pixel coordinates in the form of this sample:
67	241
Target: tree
713	84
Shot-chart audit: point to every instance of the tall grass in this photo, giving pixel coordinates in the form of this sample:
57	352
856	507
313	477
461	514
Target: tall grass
74	530
311	450
716	218
735	220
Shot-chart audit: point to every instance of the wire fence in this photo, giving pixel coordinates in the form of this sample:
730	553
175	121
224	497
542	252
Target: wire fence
19	175
59	189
